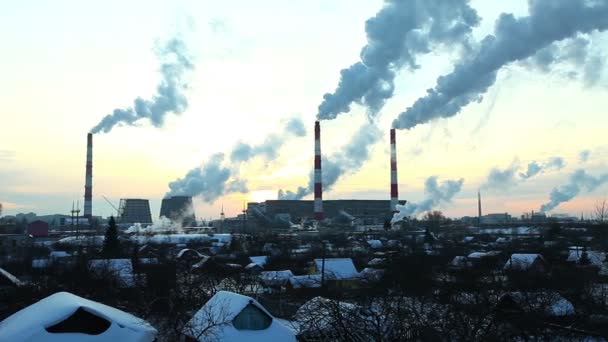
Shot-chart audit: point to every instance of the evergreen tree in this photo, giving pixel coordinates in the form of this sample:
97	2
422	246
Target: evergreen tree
111	245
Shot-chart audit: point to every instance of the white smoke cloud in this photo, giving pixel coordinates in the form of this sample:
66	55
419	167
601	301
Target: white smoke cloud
584	155
580	180
504	178
514	39
396	36
219	176
169	97
348	160
435	194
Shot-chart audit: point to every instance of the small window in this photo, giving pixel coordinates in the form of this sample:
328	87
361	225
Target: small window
81	321
252	318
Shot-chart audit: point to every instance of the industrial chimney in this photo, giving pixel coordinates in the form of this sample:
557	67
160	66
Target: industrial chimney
478	207
318	204
88	182
394	186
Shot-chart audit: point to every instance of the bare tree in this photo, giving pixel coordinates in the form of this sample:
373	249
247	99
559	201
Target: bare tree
601	210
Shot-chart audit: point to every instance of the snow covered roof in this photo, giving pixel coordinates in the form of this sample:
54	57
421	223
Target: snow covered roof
40	263
217	239
11	278
260	260
476	255
337	268
371	274
522	262
460	261
192	252
215	320
60	254
276	275
595	258
31	323
121	268
376	261
551	303
374	243
305	281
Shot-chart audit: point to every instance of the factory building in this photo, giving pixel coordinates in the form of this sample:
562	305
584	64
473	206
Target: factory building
178	208
369	211
134	210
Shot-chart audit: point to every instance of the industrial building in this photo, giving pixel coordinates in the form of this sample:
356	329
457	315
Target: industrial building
367	211
134	210
178	208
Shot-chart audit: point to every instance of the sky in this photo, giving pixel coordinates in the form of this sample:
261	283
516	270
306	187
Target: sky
66	64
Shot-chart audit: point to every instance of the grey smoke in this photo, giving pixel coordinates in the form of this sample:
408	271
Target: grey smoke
580	180
502	178
211	181
577	53
514	39
398	33
269	148
435	194
219	175
169	97
584	155
534	168
348	160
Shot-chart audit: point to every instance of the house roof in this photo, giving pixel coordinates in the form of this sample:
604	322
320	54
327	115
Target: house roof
551	303
29	323
374	243
260	260
337	268
221	310
522	262
305	281
595	258
276	275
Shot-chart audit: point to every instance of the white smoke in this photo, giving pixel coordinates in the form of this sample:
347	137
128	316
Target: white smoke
396	36
503	178
219	176
435	194
514	39
580	180
169	97
163	225
348	160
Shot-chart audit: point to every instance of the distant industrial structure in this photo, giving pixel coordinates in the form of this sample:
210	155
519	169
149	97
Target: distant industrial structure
88	182
394	184
318	203
178	209
134	210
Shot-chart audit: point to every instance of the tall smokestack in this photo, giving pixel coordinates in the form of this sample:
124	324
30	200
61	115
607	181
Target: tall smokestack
318	204
478	207
394	186
88	182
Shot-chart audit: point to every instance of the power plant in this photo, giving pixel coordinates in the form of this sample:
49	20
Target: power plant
178	209
134	210
271	213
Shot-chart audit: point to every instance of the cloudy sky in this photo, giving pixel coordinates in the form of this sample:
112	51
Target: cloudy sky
66	64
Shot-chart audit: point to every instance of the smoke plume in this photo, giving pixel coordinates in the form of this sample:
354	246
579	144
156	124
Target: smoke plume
219	175
435	194
579	181
398	33
504	178
534	168
348	160
169	97
584	155
242	152
514	39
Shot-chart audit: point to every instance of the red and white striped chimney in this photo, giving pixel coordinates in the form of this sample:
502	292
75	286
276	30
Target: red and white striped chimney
394	186
88	182
318	204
